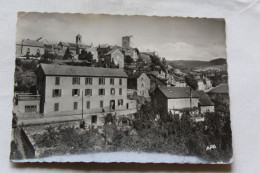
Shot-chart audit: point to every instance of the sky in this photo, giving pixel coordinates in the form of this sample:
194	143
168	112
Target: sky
174	38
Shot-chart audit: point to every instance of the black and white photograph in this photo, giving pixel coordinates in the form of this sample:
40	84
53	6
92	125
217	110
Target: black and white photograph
98	85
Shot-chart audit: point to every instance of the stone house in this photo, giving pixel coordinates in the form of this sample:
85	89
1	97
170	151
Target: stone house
114	57
71	90
141	83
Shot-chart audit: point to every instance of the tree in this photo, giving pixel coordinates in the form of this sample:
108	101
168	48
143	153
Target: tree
128	59
47	57
190	80
67	54
86	56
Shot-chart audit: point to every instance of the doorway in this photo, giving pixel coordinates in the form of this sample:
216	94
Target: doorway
112	104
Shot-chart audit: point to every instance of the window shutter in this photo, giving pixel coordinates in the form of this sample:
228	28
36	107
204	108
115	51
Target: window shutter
53	92
60	93
72	93
78	92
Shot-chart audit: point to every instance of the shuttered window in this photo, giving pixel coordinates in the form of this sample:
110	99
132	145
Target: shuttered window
56	93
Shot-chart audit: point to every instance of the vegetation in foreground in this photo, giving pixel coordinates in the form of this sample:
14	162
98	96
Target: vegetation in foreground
170	134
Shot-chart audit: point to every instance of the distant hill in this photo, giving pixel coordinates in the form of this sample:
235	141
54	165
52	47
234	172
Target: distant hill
219	61
187	64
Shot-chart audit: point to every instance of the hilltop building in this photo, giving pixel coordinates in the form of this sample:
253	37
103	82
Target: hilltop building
126	41
29	48
63	87
114	57
76	48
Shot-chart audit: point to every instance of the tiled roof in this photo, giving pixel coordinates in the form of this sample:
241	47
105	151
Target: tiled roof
66	70
220	89
32	43
204	99
177	92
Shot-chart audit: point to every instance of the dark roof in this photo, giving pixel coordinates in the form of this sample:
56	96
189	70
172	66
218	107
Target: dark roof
220	89
158	82
32	43
177	92
66	70
204	99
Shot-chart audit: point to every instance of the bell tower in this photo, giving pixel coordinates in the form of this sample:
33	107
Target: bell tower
78	39
126	41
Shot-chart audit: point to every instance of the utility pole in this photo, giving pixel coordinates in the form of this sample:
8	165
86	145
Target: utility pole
190	97
82	103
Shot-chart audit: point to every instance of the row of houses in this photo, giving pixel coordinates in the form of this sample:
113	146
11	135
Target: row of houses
92	91
109	55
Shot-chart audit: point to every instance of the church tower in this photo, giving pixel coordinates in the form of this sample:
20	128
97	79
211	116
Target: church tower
78	39
78	42
126	41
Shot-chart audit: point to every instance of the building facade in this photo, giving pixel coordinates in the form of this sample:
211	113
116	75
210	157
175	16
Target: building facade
115	57
143	85
174	98
71	89
126	41
139	84
30	48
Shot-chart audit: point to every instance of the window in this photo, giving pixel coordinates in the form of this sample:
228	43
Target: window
76	80
57	80
88	104
56	93
101	104
88	81
101	92
120	91
75	105
142	85
93	119
112	92
101	81
120	81
120	102
56	106
30	108
112	81
88	92
75	92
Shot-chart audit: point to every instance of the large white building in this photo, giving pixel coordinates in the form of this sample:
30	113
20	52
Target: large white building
64	88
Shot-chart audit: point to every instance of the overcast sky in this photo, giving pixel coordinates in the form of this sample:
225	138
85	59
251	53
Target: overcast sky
173	38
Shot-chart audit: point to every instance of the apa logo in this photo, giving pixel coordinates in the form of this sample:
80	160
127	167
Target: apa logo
211	147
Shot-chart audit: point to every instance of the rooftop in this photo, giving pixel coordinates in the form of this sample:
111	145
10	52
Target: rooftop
112	51
67	70
177	92
220	89
32	43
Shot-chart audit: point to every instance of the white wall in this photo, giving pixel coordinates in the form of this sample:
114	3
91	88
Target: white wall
66	100
182	103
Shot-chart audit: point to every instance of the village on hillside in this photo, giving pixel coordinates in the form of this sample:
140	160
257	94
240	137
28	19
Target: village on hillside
73	98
